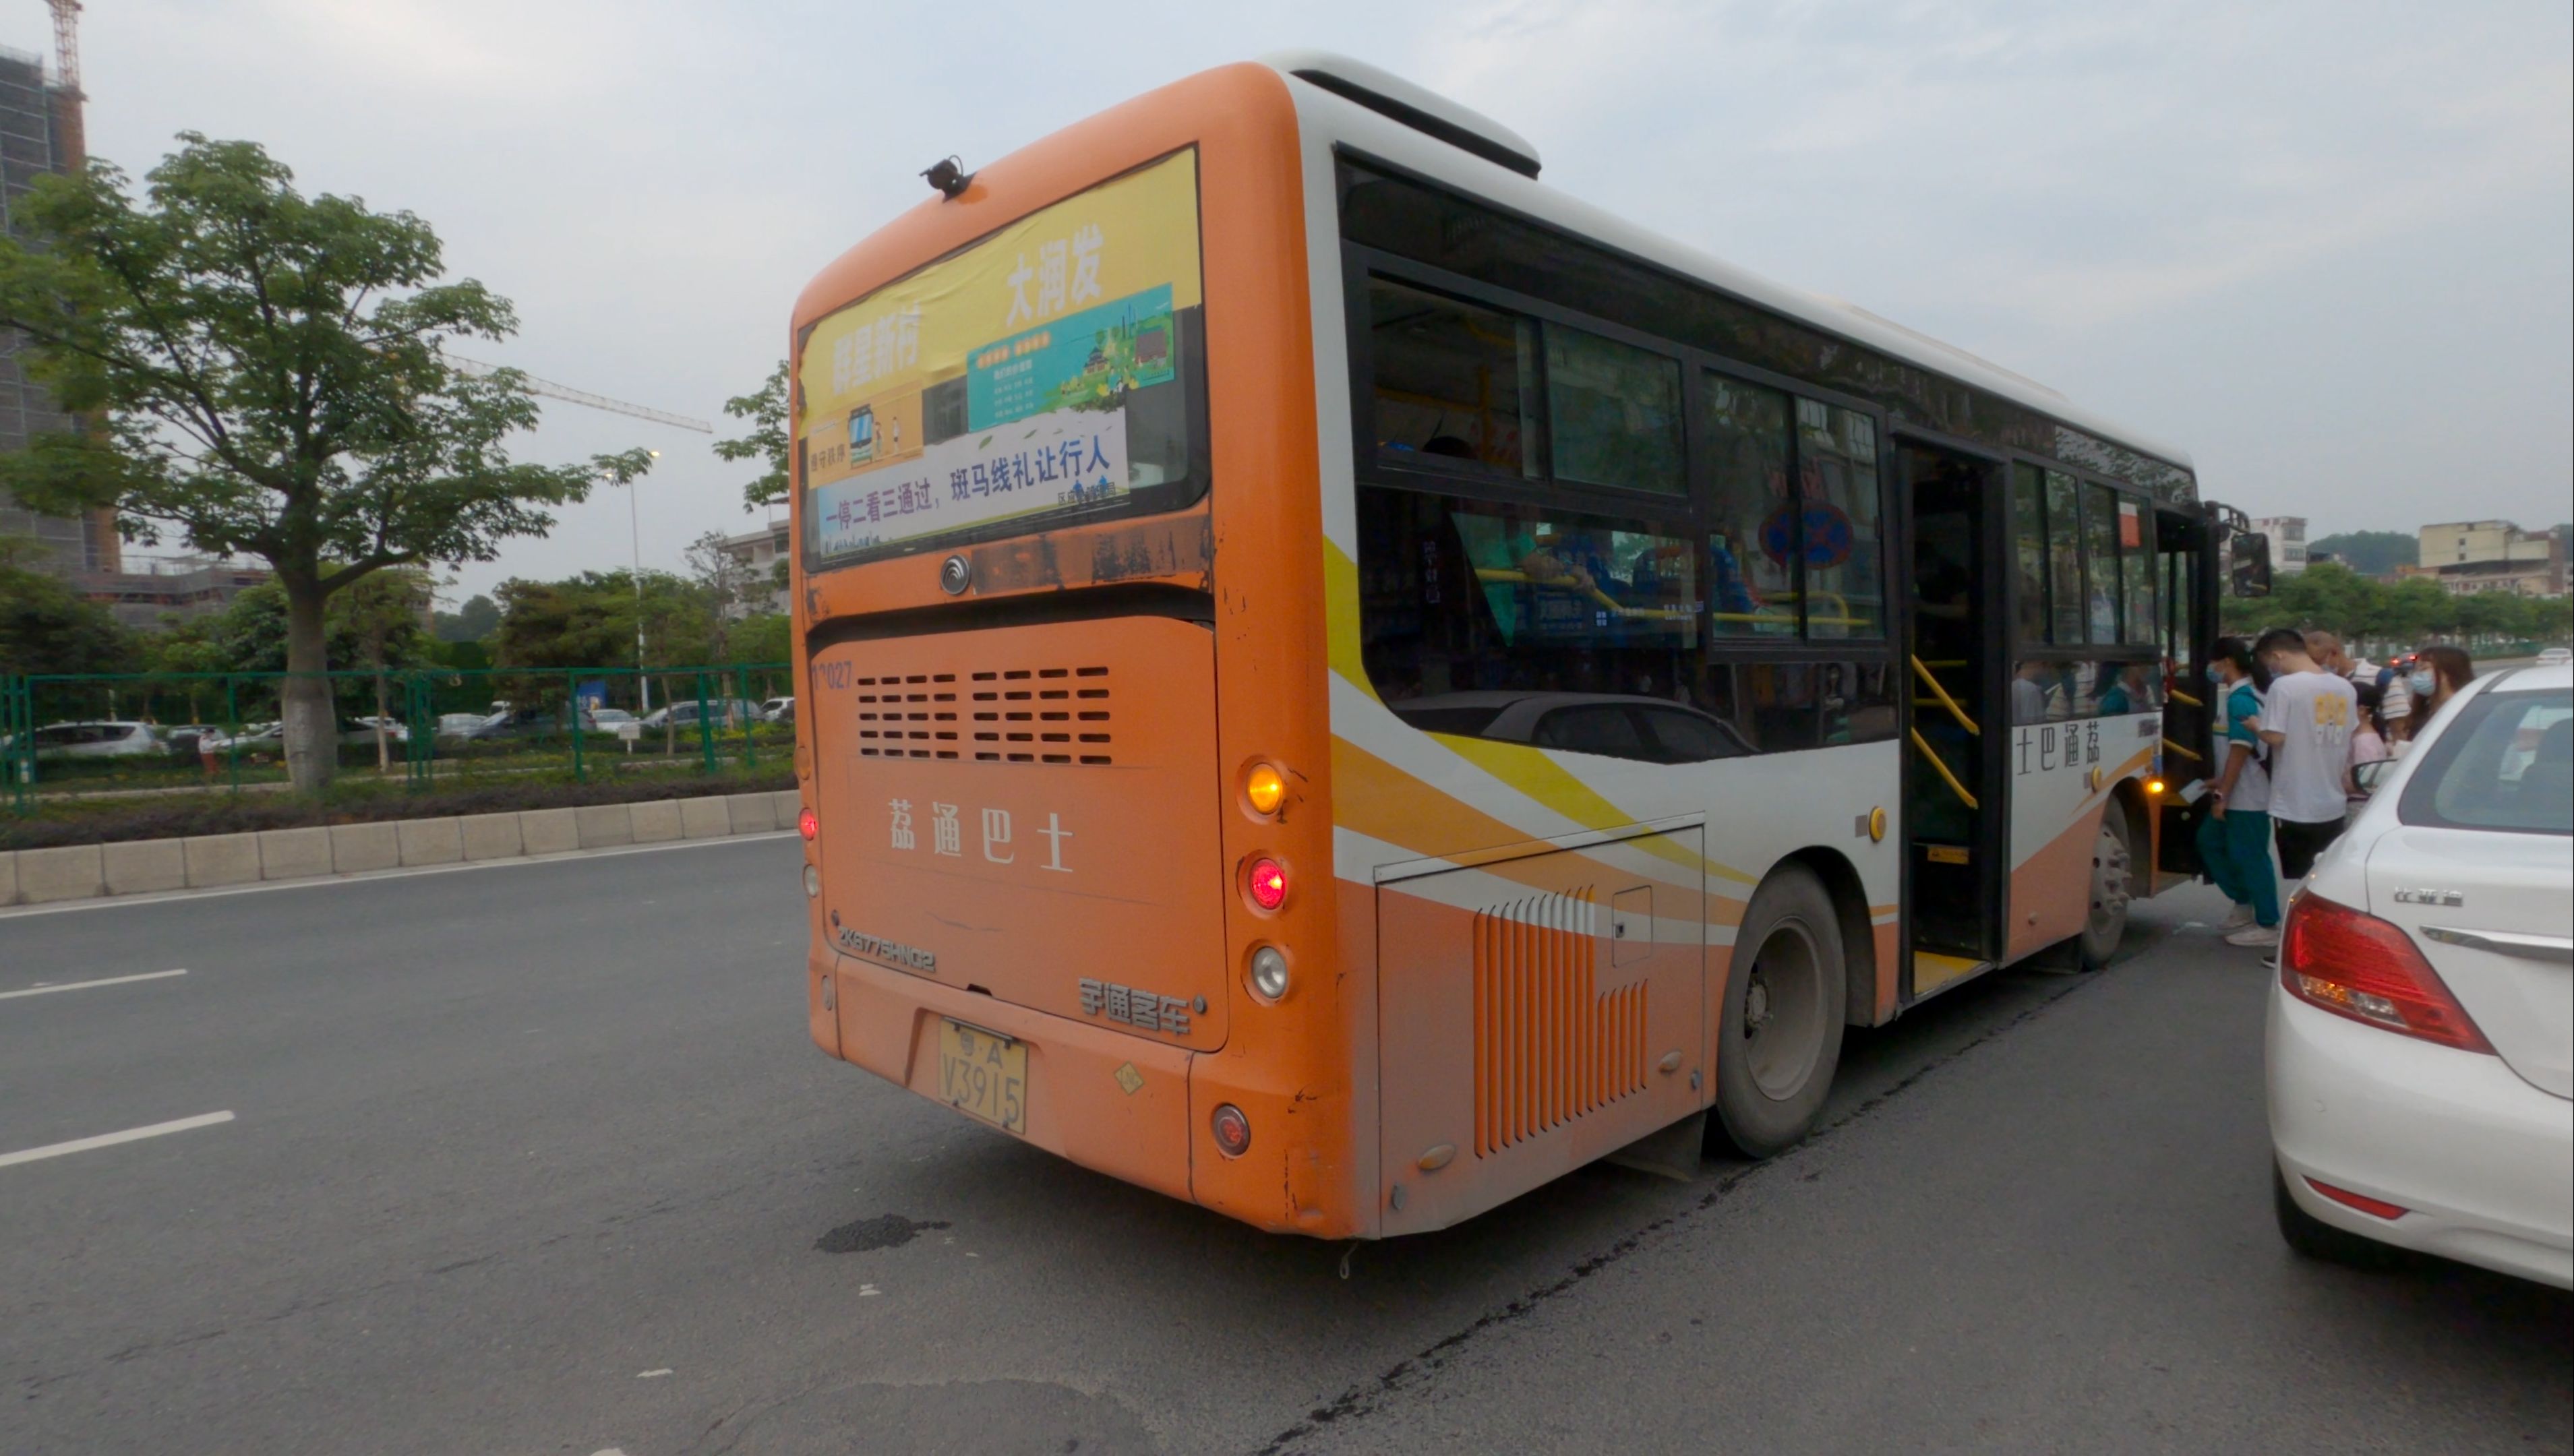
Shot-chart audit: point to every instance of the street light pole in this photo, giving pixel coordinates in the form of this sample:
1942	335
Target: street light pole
634	525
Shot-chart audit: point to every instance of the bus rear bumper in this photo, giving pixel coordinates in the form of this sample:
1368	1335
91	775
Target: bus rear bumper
1104	1099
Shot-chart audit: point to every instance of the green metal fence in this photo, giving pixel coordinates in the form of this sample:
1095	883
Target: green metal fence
135	733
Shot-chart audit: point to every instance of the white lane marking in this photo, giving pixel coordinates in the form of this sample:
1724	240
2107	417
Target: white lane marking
650	1374
111	1139
41	988
407	872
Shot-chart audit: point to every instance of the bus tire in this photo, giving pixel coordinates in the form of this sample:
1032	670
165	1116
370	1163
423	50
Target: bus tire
1780	1037
2113	884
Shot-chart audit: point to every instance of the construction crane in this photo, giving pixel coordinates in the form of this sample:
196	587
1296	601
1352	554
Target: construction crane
67	90
568	394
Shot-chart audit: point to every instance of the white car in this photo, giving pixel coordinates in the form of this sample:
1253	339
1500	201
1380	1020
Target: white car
101	739
2421	1029
2555	657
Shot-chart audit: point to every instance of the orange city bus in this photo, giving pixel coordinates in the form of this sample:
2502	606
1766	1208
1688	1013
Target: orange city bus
1340	684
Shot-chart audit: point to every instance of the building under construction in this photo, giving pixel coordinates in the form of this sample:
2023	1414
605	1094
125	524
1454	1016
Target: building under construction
40	133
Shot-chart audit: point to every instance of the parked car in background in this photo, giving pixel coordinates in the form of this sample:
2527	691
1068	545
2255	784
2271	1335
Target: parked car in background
2555	657
98	739
727	714
456	725
2421	1029
182	740
777	710
607	720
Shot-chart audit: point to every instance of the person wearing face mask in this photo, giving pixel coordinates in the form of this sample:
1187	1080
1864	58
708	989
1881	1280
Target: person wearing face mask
2438	673
2234	837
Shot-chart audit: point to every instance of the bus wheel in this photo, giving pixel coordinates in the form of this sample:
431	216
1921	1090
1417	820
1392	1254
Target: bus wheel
1781	1036
2111	866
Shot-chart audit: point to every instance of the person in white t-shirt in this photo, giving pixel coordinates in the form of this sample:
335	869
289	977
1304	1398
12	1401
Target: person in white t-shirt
2307	717
2394	704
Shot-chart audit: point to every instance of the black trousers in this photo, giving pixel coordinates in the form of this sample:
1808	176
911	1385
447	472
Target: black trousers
2299	843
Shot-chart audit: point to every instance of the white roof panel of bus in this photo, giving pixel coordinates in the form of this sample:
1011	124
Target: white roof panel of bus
1329	119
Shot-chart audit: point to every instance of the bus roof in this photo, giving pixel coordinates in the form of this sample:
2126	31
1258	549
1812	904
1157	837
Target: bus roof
1359	104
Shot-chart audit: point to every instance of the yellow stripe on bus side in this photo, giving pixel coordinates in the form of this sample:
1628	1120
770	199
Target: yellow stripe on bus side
1341	617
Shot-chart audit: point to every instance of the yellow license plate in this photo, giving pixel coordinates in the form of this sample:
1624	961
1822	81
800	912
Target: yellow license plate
984	1075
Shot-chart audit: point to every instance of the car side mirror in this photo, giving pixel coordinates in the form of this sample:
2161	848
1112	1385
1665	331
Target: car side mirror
2366	776
2248	562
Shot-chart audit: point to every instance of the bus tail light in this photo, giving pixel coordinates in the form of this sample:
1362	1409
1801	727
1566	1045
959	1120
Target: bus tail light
1268	883
807	826
1232	1130
2354	964
1269	973
812	882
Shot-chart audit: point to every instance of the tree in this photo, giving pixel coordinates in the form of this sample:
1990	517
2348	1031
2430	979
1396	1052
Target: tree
46	627
768	443
587	621
730	584
2370	552
471	622
261	373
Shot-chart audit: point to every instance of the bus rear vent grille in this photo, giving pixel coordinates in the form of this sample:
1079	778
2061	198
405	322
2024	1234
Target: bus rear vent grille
1550	1045
1006	716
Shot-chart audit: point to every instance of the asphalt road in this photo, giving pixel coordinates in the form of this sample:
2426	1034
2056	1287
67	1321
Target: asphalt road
539	1159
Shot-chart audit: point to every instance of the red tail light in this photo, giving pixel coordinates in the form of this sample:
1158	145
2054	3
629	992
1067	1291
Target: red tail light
2357	966
2373	1207
1268	883
1232	1130
806	824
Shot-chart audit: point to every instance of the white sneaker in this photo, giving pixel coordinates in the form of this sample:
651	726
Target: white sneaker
2241	916
2260	935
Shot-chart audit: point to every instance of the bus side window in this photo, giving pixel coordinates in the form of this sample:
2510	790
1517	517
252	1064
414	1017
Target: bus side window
2065	559
1455	384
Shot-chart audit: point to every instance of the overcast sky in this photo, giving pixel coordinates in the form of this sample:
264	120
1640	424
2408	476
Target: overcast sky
2329	248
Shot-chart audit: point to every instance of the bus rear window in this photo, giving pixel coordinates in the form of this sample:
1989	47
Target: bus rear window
1051	372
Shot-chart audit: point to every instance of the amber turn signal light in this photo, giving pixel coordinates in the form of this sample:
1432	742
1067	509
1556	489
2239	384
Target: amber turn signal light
1266	788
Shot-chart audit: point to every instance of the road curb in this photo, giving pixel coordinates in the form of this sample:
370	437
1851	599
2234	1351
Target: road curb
87	872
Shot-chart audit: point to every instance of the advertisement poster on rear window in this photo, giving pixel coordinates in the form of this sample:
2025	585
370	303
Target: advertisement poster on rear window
993	384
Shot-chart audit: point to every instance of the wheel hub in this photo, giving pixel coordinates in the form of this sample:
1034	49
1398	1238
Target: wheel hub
1756	1006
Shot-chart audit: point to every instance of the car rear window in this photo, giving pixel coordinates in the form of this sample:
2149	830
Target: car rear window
2506	763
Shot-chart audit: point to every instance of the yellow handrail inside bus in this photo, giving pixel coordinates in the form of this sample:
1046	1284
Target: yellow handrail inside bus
1945	777
1508	577
2183	698
2184	753
1947	702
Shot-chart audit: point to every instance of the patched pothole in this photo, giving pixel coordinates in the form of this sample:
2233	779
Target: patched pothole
884	1231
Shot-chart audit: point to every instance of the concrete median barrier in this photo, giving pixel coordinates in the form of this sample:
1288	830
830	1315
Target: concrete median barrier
294	853
73	874
492	836
703	819
430	842
139	867
356	848
605	826
143	865
221	859
549	831
654	824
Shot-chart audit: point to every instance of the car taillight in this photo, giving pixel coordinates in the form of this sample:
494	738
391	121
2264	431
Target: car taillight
806	824
2354	964
1268	884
